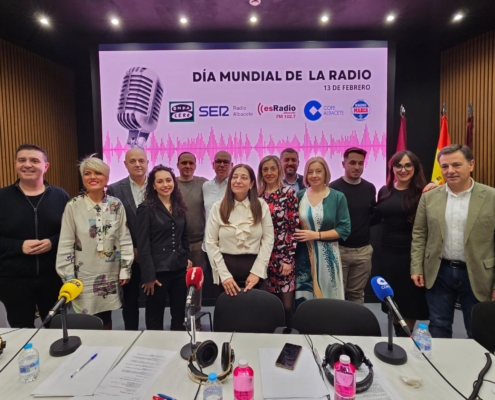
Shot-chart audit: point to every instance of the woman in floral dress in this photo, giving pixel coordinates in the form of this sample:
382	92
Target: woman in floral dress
282	201
95	244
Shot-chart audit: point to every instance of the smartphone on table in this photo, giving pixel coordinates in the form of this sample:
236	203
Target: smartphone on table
288	356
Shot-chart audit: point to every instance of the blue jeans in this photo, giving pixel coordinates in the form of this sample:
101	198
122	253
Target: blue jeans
451	283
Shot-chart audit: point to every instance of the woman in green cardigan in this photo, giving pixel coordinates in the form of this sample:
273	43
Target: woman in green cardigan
324	220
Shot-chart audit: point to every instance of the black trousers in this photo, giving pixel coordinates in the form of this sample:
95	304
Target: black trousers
131	291
173	285
21	296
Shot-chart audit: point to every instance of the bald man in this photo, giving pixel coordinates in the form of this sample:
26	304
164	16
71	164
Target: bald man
130	191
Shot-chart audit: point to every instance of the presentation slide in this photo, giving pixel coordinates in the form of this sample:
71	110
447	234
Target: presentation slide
250	99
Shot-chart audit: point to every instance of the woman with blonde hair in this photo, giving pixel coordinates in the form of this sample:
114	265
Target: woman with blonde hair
324	220
95	244
282	202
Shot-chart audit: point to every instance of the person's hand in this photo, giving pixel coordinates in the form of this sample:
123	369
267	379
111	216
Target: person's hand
285	269
189	265
418	280
430	186
149	288
41	247
231	287
493	295
305	235
135	255
29	245
123	281
251	281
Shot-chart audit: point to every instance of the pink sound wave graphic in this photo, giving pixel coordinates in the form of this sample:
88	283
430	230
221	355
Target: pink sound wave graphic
240	146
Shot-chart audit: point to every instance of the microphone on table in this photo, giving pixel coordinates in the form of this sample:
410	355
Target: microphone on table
68	292
194	282
385	293
389	352
139	104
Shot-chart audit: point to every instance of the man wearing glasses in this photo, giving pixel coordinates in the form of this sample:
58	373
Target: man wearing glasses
214	191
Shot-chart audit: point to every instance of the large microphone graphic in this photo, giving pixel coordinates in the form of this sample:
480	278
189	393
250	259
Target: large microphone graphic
139	104
194	281
68	292
389	352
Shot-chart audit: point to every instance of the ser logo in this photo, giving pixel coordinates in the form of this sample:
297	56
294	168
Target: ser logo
181	111
214	111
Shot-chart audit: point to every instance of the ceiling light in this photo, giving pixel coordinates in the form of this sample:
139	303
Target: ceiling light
115	21
44	21
324	18
390	17
253	19
183	20
458	17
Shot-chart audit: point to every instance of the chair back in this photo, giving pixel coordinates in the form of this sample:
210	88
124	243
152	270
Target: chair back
254	311
335	317
77	321
4	322
484	330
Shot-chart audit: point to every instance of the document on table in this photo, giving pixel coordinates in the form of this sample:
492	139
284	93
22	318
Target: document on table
135	374
304	382
59	383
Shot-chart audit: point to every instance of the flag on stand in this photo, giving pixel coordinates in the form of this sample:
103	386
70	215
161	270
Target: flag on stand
443	140
402	139
469	127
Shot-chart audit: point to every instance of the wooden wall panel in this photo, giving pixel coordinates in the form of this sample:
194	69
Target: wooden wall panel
468	76
37	105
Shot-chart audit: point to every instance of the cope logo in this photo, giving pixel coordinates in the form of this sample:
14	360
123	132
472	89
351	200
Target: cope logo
360	110
278	108
181	111
312	110
214	111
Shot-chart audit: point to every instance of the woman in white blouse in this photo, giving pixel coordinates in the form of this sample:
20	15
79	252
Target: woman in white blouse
239	234
95	244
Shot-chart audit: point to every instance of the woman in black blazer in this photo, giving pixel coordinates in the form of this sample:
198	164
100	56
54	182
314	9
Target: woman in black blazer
163	248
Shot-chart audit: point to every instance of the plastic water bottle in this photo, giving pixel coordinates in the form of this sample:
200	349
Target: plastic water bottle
243	381
213	388
422	337
29	364
345	379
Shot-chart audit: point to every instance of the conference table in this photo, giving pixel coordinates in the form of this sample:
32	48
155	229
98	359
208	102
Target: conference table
460	361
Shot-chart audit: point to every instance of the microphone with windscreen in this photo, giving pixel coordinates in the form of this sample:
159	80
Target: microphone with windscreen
68	292
139	104
194	282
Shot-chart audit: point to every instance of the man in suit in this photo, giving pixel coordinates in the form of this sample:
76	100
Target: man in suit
290	163
130	191
453	247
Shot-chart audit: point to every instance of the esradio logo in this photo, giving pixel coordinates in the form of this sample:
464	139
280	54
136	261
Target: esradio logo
360	110
181	111
278	108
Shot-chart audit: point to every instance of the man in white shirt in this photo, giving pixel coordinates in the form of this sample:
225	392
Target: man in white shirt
214	191
130	191
453	247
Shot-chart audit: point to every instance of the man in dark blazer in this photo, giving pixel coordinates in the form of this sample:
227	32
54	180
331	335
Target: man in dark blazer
130	191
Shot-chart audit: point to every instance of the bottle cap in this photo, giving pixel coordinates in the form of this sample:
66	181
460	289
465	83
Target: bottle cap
243	363
344	359
422	326
212	376
28	346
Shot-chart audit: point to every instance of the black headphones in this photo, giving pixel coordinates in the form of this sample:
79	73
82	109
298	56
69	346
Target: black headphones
356	354
205	355
3	343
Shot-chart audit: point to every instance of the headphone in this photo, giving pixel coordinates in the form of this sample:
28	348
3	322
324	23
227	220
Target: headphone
3	343
205	355
356	354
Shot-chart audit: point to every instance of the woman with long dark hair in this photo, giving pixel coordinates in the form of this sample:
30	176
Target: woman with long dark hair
239	234
397	204
163	248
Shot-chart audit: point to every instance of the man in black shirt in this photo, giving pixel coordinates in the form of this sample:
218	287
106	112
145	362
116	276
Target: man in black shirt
356	251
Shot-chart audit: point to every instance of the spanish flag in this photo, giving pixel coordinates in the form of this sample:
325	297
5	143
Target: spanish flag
443	140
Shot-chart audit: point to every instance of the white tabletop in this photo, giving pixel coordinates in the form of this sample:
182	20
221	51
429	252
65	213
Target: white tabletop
12	389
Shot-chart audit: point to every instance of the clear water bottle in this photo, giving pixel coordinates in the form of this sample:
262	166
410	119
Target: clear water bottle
29	364
345	379
422	337
213	388
243	381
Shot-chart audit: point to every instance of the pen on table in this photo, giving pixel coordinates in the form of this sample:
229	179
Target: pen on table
160	396
86	363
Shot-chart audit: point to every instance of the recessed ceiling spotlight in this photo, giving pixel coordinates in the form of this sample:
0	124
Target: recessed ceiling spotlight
115	21
253	19
324	18
183	20
390	17
44	21
458	17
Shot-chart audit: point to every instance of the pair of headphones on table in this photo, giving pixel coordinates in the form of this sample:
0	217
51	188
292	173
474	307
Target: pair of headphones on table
205	355
356	354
